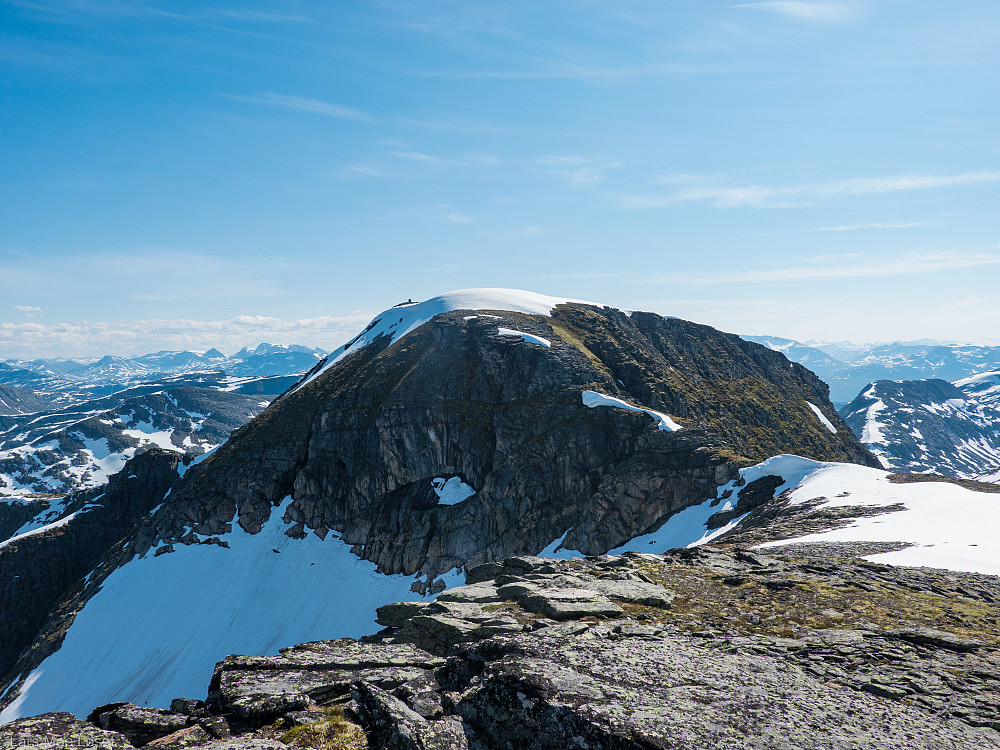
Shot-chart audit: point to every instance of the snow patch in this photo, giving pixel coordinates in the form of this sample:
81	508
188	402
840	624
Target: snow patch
451	491
159	624
950	526
528	337
593	399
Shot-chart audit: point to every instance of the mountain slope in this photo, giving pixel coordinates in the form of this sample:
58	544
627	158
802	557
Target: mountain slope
931	425
450	432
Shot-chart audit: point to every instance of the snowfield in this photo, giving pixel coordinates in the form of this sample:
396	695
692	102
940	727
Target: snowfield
949	526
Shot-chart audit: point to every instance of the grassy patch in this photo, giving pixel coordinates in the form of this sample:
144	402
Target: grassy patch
706	602
334	732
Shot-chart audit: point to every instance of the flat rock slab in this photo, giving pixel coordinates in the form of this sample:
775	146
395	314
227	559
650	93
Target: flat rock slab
569	604
643	694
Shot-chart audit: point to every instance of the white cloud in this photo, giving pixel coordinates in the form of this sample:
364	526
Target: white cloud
27	308
129	337
458	218
764	196
875	225
804	11
302	104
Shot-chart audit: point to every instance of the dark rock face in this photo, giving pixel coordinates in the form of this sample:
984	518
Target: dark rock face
693	670
37	570
358	447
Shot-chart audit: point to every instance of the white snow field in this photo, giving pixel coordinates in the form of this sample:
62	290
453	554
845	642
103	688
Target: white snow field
159	624
400	320
950	527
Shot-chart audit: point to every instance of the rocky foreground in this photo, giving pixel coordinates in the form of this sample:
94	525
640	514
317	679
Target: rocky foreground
701	648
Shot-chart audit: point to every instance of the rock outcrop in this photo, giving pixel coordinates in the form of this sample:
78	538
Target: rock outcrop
704	648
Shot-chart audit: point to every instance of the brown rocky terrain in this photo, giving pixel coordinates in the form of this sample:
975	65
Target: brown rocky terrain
703	648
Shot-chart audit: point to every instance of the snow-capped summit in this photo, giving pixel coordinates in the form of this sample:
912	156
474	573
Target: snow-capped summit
400	319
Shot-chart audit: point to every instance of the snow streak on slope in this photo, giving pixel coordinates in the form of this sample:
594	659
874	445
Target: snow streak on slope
398	321
822	417
593	399
200	603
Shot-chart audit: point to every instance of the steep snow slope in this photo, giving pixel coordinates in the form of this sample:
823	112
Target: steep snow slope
930	425
265	591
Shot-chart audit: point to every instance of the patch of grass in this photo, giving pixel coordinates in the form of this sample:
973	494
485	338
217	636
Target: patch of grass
334	732
705	602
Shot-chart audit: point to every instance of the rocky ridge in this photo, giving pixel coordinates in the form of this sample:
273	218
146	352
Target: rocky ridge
699	648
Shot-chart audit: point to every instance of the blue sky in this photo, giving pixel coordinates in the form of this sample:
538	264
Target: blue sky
190	175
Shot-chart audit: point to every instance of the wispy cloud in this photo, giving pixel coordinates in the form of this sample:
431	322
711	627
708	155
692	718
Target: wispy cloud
764	196
27	308
140	336
469	160
458	218
876	225
302	104
804	11
851	267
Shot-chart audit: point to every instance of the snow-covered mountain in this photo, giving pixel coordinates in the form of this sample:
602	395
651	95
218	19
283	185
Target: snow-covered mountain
65	449
66	380
931	426
849	369
473	426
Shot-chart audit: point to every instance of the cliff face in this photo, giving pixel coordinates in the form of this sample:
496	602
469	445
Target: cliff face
359	447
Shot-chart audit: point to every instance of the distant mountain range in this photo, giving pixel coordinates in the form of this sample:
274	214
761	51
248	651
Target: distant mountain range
70	380
66	425
848	369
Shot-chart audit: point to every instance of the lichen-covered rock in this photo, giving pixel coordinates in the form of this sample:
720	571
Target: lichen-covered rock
140	724
59	731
